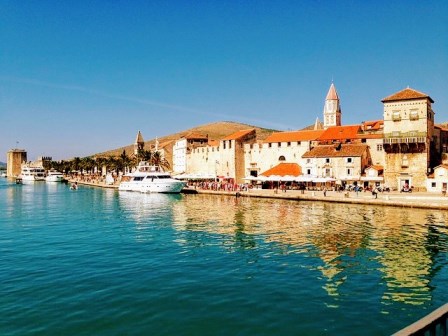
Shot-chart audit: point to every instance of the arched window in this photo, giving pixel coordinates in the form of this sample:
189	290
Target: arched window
281	158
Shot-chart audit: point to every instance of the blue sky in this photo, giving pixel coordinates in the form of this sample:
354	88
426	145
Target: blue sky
80	77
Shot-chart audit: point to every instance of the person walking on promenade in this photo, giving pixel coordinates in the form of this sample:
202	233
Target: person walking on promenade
325	191
375	192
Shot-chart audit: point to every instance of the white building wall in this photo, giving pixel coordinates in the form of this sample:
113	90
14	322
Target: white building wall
263	156
376	150
439	181
180	156
204	161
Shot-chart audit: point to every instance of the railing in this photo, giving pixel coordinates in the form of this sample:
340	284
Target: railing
434	324
404	137
410	134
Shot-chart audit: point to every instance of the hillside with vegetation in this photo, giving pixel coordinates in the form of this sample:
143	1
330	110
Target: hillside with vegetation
215	131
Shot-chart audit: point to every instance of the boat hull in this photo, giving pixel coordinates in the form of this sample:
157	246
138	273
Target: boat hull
54	179
167	187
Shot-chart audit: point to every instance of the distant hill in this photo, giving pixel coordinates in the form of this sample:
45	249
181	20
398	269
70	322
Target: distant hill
3	164
215	131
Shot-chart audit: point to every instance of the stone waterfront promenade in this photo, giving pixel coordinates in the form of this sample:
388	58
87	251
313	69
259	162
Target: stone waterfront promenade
423	200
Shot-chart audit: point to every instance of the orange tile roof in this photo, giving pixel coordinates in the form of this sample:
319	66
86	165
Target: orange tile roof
373	125
370	136
213	143
324	151
294	136
239	134
283	169
340	133
376	167
407	94
195	135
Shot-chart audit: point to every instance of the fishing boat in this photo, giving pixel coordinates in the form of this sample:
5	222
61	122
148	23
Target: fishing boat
150	179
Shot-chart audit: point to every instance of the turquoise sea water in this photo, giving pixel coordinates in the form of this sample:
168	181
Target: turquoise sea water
99	262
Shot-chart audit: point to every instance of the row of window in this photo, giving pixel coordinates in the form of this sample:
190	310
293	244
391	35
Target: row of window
288	144
328	160
349	172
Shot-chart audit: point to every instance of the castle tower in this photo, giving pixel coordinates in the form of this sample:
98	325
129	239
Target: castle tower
332	108
139	143
408	138
15	158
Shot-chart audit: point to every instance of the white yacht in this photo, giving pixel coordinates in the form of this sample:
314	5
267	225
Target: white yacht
29	173
54	176
150	179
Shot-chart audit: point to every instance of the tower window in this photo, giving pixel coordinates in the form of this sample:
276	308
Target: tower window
396	116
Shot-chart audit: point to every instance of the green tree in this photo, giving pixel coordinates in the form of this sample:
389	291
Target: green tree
158	159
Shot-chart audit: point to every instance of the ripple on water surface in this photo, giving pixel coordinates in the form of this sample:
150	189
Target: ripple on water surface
101	262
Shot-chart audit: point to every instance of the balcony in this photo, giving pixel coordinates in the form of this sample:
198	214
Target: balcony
412	137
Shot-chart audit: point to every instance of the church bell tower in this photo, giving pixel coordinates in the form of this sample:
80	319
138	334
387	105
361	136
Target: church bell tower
139	144
332	108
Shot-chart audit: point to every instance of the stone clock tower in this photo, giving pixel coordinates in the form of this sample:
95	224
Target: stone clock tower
332	108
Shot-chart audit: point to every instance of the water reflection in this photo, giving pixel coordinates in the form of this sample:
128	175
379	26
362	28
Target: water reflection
402	247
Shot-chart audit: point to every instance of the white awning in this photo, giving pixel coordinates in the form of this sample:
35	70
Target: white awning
323	179
197	176
372	178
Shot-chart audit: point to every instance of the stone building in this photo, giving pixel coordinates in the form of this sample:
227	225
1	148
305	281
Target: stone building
402	148
438	181
408	138
344	162
15	159
224	159
184	146
278	147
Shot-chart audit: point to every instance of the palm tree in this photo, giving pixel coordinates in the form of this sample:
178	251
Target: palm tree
125	161
157	159
75	163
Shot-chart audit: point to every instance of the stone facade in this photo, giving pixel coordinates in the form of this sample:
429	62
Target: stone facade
15	158
404	145
408	138
345	162
184	146
279	147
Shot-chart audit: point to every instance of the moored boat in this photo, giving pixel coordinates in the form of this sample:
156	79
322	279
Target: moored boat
150	179
29	173
54	176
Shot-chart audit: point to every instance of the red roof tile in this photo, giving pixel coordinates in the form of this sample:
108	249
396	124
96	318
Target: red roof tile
283	169
373	125
294	136
370	136
327	151
407	94
340	133
196	135
239	134
376	167
213	143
